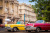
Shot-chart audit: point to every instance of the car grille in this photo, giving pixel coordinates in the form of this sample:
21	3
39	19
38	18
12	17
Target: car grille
8	27
28	26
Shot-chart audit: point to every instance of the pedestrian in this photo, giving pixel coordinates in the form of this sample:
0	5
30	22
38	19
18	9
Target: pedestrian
5	22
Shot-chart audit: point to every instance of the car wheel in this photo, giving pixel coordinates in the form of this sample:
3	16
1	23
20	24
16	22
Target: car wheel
14	29
29	31
9	30
38	30
46	30
25	30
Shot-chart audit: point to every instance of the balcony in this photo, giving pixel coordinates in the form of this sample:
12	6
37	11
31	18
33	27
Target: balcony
0	11
29	14
25	13
32	20
26	19
12	12
20	13
1	6
17	17
32	14
6	10
22	9
2	15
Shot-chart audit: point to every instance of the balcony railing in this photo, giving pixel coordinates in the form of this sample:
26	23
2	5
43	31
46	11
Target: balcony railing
1	5
6	10
0	11
20	13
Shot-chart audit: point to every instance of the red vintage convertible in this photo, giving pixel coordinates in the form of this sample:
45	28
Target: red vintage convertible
37	27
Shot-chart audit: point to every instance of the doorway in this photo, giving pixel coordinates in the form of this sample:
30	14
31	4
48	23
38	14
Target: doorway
0	21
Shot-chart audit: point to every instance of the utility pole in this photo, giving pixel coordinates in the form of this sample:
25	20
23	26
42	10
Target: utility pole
24	18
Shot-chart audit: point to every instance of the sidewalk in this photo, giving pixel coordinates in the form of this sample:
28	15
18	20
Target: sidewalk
2	29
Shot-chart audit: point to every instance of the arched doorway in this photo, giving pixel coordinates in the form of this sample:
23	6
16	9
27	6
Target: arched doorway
0	21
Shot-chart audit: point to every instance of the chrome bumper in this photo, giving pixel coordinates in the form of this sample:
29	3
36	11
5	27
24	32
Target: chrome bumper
9	28
30	28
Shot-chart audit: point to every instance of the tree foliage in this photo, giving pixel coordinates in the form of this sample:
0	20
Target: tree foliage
43	10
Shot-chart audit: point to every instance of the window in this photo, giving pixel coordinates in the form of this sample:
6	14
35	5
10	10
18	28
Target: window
0	8
20	11
25	11
6	1
20	6
0	0
12	11
5	9
20	17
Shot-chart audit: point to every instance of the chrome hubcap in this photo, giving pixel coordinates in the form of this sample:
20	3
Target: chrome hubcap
15	29
38	29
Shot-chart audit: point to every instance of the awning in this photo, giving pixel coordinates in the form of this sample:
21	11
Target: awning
17	17
7	20
1	15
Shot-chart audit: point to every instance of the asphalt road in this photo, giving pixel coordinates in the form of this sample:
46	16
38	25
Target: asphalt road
3	30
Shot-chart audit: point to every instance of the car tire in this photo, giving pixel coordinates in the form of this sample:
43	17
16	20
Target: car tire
15	29
46	30
37	29
9	30
29	31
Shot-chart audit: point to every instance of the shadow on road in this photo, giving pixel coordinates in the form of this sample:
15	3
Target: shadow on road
44	31
3	30
29	32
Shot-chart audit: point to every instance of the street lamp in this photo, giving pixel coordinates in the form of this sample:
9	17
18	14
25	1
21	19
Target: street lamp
24	18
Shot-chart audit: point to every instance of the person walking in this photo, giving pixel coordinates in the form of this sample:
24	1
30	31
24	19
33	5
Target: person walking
5	22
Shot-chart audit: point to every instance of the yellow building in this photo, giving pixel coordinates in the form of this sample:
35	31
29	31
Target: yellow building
8	9
28	11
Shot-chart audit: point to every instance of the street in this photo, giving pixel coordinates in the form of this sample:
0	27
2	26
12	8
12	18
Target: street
21	32
3	30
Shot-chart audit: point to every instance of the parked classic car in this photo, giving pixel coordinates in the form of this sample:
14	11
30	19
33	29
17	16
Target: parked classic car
37	27
15	27
2	25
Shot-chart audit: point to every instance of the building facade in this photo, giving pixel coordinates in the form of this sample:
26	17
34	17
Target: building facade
30	15
12	9
8	9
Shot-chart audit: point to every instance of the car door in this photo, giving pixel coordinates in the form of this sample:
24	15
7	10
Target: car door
47	26
21	26
42	26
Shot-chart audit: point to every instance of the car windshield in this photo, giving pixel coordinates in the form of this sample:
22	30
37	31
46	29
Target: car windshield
19	22
40	21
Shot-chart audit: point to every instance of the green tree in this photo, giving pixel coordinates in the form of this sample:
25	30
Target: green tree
43	10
